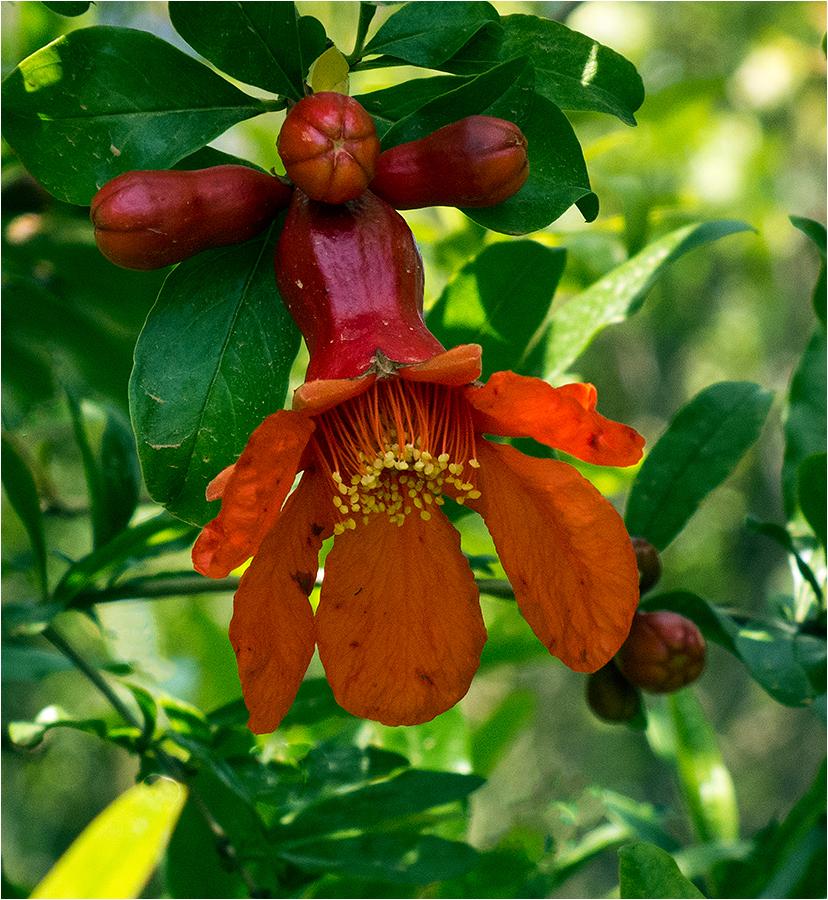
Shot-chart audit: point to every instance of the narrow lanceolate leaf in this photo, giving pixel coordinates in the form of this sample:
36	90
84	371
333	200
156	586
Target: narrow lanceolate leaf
264	44
119	850
646	870
698	451
573	70
101	101
22	494
620	293
211	363
805	422
499	300
427	34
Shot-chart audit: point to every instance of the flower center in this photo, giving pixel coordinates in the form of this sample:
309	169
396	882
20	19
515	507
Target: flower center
395	449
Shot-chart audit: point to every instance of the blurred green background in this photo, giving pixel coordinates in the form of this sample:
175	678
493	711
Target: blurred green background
733	127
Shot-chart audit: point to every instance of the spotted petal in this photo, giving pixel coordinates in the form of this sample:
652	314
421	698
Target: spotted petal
399	627
515	406
272	630
253	493
565	550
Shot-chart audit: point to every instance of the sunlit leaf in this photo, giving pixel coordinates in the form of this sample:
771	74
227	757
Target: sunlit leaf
264	44
620	293
573	70
427	34
212	362
682	735
648	871
700	448
23	497
101	101
805	425
499	300
119	850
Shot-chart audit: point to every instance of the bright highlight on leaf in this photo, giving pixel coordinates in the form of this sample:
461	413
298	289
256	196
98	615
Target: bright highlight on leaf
119	850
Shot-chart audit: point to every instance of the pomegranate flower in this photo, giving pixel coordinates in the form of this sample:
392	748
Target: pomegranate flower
398	625
387	425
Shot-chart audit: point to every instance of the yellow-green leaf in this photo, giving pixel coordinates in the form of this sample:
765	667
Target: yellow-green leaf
118	851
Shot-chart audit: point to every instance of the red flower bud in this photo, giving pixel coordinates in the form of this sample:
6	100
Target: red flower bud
649	564
351	277
663	652
329	147
147	220
478	161
611	697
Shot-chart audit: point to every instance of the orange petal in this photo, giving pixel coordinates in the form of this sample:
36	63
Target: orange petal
316	397
272	629
565	550
215	489
253	494
455	368
515	406
399	627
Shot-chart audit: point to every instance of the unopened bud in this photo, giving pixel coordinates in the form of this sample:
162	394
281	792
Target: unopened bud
649	564
664	652
611	697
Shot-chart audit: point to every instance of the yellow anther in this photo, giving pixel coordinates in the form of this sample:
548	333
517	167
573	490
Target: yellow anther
474	463
473	495
425	515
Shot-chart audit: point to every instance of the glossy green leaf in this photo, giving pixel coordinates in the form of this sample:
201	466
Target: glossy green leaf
573	70
427	34
682	735
557	176
212	362
505	92
700	448
805	425
67	8
621	293
412	791
23	496
119	850
400	857
101	101
813	492
817	233
500	300
647	871
264	44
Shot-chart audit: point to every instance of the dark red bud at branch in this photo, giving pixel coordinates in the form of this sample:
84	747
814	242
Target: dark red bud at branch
611	697
476	162
663	652
329	147
150	219
649	564
351	277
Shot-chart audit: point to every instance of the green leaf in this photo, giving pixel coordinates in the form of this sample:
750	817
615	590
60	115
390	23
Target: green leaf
264	44
621	293
427	34
212	362
499	300
813	492
119	850
783	853
806	420
410	792
573	70
23	497
120	474
91	469
161	534
700	448
681	734
505	92
783	537
67	8
101	101
648	871
23	663
817	233
398	857
557	176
